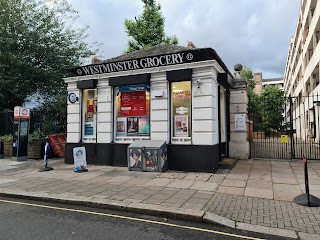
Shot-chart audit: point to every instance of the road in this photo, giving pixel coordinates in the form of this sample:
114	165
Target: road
26	219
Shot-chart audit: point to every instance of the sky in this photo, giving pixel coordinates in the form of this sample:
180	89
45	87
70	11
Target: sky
255	33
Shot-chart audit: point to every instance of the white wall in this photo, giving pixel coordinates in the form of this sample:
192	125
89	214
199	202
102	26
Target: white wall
73	117
104	112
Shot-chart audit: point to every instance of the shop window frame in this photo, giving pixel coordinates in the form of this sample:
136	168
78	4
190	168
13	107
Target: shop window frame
128	139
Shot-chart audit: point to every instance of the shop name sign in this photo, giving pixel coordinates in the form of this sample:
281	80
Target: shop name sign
142	63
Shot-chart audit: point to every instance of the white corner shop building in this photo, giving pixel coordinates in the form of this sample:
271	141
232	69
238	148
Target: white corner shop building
175	94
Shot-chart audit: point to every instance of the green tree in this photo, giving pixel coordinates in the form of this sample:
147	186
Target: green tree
37	45
272	101
253	98
147	30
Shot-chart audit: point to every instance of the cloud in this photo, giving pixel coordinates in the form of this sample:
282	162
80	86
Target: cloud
255	33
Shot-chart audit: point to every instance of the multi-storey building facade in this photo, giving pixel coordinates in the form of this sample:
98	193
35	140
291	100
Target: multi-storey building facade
301	78
261	83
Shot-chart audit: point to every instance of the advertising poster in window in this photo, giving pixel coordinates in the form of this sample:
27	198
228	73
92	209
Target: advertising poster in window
121	127
132	126
151	160
133	104
181	126
144	126
89	125
125	104
135	159
138	103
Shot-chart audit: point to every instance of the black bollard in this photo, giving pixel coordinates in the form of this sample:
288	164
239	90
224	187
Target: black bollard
306	199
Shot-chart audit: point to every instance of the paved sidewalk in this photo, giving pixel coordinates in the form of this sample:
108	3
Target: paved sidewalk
256	194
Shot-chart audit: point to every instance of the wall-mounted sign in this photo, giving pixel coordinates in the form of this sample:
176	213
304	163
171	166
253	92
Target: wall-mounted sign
72	98
181	110
21	112
240	123
146	62
284	139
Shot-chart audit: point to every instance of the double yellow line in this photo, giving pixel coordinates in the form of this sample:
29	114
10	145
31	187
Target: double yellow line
131	218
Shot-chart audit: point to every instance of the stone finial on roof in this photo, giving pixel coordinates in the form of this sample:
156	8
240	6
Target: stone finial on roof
191	45
237	69
95	60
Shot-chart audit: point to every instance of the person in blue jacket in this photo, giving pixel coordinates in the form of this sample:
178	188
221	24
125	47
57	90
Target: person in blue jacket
46	152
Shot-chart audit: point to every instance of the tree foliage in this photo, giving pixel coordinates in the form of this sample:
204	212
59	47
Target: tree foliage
253	98
265	110
147	30
37	45
272	103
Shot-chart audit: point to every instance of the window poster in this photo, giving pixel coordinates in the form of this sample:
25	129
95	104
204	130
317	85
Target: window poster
151	160
133	103
181	126
89	129
132	126
121	127
144	126
90	111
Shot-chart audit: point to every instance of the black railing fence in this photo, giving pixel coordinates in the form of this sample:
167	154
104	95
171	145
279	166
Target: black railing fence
288	132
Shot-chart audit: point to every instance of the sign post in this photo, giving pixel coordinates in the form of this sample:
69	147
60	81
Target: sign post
20	134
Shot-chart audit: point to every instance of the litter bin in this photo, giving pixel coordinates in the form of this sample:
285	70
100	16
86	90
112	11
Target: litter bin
148	155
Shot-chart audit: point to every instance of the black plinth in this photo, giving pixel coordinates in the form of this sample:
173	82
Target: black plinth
302	199
45	169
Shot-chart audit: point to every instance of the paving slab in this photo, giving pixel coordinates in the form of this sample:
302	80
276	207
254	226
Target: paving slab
230	190
286	188
258	192
159	182
237	176
286	180
181	184
259	184
234	183
204	186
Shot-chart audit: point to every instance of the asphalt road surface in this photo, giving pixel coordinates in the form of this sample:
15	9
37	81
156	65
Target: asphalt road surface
26	219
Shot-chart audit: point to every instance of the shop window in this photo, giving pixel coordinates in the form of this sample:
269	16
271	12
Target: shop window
132	112
89	115
181	111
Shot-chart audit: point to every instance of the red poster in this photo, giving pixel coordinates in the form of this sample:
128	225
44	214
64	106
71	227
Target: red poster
133	104
125	104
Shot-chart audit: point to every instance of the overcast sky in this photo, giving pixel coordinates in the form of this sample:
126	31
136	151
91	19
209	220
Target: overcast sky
255	33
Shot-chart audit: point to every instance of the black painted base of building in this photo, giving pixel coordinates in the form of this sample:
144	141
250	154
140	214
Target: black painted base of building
189	158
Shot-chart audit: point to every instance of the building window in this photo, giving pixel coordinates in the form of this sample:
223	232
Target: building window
132	112
181	111
89	128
